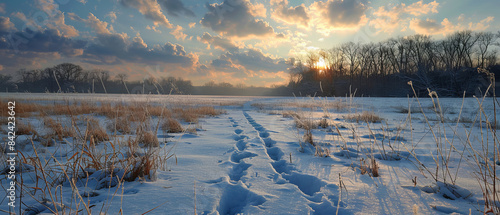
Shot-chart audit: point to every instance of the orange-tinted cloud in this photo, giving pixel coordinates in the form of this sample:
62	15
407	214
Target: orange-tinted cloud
218	42
290	15
178	34
150	9
445	27
387	20
98	26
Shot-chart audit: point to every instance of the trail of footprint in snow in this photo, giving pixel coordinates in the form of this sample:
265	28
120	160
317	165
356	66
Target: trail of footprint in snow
235	194
310	186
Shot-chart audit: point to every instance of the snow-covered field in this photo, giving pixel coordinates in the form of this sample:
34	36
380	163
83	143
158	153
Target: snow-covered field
254	159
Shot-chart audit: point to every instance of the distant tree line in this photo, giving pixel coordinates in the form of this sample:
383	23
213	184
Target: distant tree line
72	78
447	66
226	88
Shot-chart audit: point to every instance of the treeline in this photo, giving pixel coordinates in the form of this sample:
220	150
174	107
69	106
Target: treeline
72	78
448	66
225	88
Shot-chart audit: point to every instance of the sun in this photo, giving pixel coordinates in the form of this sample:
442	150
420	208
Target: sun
321	65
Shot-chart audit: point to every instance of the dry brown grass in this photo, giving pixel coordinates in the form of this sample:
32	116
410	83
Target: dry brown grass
363	167
190	117
146	135
308	137
57	130
171	125
109	110
259	105
192	114
120	124
94	132
365	116
148	139
374	168
26	109
25	129
47	141
158	111
22	109
146	164
323	123
88	159
192	130
305	123
303	104
290	114
339	105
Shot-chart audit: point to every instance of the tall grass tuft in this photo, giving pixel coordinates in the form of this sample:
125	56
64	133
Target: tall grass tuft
171	125
365	116
57	130
95	133
25	129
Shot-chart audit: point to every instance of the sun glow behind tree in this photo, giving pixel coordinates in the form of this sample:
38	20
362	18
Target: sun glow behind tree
321	65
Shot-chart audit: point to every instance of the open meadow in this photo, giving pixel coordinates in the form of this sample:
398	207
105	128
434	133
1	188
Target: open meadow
135	154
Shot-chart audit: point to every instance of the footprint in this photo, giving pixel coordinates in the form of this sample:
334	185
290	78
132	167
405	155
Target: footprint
238	171
238	131
236	197
280	166
446	210
131	191
214	181
259	128
241	145
239	137
238	156
326	207
264	134
274	153
308	184
269	142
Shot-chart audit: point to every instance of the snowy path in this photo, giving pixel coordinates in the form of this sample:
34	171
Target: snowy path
260	180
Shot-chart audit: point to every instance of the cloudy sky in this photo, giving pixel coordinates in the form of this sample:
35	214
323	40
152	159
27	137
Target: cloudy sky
236	41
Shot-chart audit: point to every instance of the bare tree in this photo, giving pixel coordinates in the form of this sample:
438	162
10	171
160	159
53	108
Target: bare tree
484	42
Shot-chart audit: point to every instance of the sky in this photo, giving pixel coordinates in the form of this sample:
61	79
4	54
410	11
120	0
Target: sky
237	41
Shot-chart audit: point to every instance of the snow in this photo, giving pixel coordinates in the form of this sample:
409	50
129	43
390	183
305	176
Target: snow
250	161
